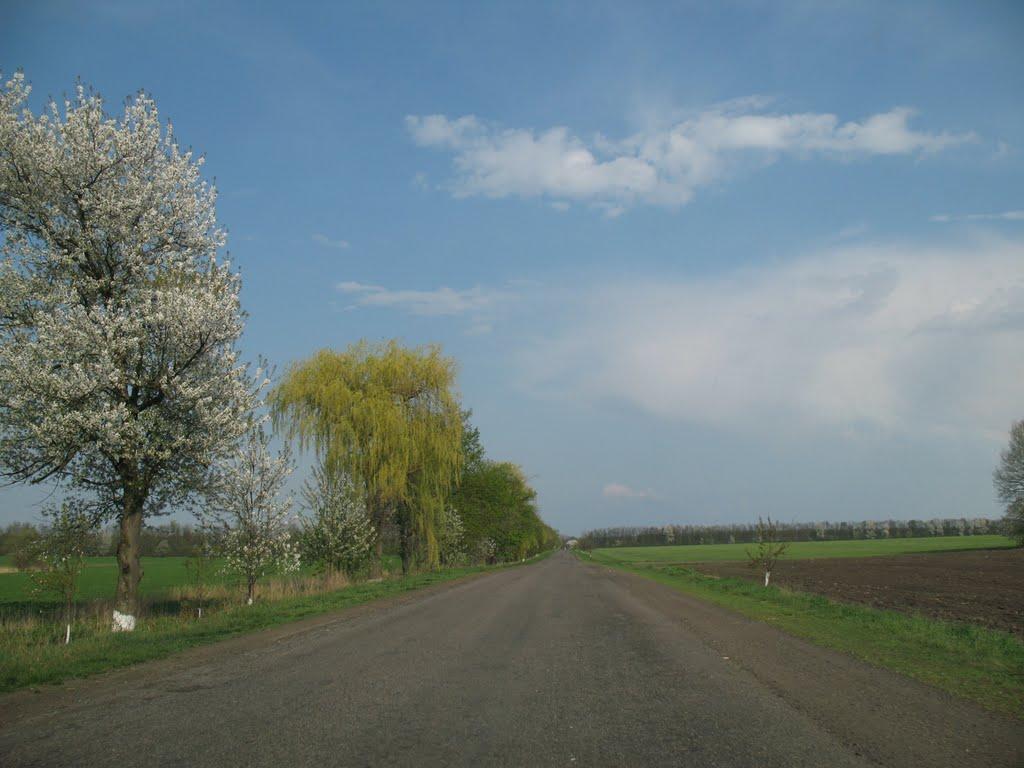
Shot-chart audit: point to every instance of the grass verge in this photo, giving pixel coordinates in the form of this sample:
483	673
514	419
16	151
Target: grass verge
986	666
33	660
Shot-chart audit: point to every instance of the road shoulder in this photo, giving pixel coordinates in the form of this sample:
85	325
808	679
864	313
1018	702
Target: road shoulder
887	717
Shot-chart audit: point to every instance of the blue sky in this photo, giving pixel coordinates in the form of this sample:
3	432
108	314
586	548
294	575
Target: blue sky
697	263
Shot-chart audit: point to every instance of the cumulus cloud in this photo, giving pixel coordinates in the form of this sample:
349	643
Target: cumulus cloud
944	218
328	242
620	491
437	302
878	336
660	167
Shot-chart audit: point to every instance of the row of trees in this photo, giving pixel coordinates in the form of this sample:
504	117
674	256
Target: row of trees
819	531
121	381
169	538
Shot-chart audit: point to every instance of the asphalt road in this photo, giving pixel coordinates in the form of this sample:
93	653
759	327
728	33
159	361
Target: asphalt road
556	663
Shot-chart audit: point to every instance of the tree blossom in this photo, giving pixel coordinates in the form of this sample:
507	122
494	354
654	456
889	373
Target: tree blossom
119	374
451	537
247	516
339	533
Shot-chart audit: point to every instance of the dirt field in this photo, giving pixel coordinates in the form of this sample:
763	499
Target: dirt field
982	586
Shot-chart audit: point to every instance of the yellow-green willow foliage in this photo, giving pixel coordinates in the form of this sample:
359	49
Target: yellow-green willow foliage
386	416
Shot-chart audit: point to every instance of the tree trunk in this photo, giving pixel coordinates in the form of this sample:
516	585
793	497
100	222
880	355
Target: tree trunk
69	606
377	567
406	559
378	513
251	594
126	602
767	577
405	545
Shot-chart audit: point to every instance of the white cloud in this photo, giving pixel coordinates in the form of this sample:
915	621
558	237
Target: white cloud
620	491
441	301
944	218
884	336
661	167
324	240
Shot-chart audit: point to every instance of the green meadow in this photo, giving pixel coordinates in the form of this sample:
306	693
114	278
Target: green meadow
99	577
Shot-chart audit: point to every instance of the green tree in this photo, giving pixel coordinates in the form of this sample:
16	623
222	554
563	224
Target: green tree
387	417
1009	482
499	514
60	551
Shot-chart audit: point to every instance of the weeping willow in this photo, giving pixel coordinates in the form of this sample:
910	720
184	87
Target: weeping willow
388	417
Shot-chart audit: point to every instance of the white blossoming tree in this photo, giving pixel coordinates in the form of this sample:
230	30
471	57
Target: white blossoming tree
119	375
451	537
338	534
249	519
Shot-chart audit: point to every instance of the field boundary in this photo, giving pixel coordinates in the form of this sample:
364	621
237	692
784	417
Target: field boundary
800	550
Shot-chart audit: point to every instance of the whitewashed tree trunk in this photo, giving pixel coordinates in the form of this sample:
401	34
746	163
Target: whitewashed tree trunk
767	577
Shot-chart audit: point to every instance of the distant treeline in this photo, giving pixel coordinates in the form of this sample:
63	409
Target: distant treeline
170	538
743	534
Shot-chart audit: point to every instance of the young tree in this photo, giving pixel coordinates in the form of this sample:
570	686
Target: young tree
769	549
1009	482
339	534
246	514
61	551
388	418
451	538
119	376
198	567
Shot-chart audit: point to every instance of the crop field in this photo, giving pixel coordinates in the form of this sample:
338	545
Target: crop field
972	579
100	576
801	550
984	587
161	575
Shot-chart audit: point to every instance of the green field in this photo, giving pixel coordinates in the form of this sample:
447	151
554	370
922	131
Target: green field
99	578
801	550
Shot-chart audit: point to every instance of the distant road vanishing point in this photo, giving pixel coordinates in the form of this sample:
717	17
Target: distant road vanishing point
556	663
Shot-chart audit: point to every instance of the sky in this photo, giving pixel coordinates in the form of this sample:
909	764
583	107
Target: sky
698	262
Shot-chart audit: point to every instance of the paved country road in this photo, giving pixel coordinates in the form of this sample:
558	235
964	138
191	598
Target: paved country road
556	663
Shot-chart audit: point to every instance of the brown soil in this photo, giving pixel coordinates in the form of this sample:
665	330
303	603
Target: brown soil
980	586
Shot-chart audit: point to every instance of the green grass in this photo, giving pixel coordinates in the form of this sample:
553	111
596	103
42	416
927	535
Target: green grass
33	655
983	665
99	577
801	550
